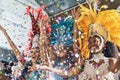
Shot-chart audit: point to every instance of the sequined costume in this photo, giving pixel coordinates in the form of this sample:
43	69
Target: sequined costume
106	26
64	65
93	71
62	34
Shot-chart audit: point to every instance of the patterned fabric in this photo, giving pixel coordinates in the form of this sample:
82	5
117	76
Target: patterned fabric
62	32
95	72
38	75
59	64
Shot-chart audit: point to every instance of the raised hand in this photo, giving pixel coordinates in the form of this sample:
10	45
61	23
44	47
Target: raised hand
43	21
46	19
75	13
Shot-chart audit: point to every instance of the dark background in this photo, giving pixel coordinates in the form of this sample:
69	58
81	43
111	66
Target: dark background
57	6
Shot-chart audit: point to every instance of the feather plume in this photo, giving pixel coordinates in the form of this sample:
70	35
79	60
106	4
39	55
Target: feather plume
110	19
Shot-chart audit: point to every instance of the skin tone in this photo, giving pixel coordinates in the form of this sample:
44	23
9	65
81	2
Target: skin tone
72	72
14	48
75	14
60	52
16	51
43	39
96	45
17	72
34	51
45	51
115	62
63	52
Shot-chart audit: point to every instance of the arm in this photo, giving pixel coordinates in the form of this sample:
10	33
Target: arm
75	43
14	48
75	15
74	71
114	65
115	62
42	42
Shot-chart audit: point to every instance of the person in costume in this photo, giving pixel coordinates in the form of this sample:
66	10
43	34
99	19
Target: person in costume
20	69
41	27
45	49
33	48
43	45
16	52
99	28
62	39
65	65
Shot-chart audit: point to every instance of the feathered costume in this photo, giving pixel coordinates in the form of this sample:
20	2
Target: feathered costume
35	28
35	36
62	35
110	19
62	32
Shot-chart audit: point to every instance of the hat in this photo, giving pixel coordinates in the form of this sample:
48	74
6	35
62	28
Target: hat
91	22
95	29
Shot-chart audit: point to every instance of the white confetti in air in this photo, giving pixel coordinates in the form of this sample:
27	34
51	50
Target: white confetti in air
76	55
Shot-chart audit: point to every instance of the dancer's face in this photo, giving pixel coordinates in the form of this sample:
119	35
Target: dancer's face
34	53
17	72
46	18
96	43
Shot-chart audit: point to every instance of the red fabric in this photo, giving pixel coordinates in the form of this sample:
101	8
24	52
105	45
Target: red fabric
35	29
48	29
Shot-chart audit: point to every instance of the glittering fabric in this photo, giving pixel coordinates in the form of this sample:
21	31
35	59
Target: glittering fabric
62	32
94	72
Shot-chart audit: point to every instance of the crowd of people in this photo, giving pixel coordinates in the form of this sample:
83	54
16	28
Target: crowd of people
83	46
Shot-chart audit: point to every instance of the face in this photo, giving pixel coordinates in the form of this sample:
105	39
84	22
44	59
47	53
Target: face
17	72
34	54
46	18
96	43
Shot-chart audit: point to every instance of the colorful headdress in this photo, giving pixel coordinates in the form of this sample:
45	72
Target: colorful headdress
97	29
35	15
106	23
62	32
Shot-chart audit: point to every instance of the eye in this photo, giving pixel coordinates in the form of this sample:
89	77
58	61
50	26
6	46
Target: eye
90	42
37	50
31	52
95	41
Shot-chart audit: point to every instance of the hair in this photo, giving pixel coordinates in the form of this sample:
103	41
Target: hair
35	48
109	50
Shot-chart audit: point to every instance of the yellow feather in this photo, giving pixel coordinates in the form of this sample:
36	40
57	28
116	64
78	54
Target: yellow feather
110	19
